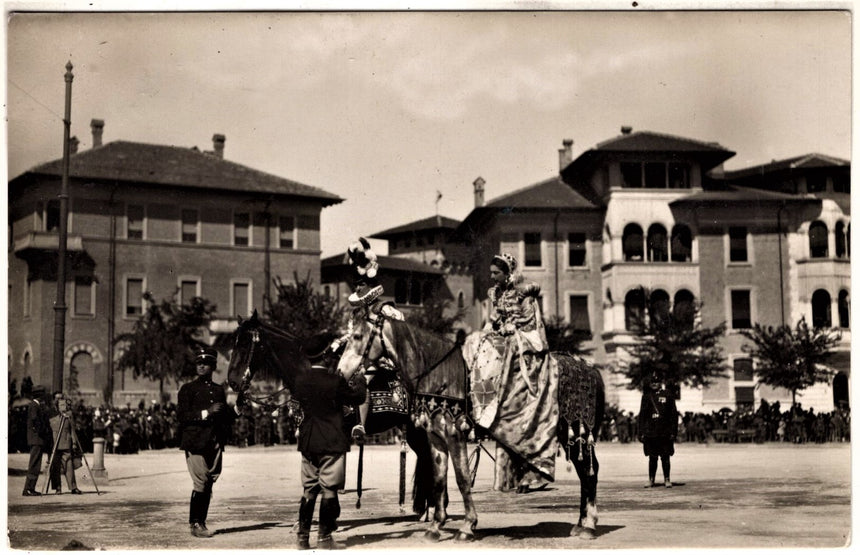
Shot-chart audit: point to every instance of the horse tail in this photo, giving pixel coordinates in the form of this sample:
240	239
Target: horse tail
422	485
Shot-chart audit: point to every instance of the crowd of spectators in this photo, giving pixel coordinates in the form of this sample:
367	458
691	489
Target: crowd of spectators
132	429
767	423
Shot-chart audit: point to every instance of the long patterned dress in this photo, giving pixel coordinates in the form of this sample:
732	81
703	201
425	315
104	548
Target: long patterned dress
514	387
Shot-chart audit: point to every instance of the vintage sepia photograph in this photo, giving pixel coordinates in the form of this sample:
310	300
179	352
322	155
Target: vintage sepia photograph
511	277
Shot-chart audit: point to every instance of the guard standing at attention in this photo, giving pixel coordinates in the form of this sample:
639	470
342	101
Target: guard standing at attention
206	423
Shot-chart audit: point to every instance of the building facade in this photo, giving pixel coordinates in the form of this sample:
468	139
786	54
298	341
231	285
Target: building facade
142	218
648	218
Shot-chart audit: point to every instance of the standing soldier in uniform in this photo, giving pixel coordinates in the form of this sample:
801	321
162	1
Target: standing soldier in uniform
323	441
658	427
205	421
39	437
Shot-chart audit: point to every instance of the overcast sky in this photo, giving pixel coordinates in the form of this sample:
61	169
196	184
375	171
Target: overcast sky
384	109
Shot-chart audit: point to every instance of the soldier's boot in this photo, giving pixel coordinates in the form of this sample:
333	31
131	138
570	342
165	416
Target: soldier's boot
306	517
329	512
196	515
205	498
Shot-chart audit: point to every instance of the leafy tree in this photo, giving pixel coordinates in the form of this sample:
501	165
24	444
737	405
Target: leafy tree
674	346
562	336
302	311
791	358
436	315
162	343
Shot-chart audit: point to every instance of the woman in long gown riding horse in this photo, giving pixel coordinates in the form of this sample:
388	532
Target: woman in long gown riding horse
522	376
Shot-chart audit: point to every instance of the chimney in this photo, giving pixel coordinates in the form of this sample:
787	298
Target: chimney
73	145
479	192
218	144
626	130
97	125
565	155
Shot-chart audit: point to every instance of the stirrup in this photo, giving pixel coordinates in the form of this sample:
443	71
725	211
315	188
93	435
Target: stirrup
358	432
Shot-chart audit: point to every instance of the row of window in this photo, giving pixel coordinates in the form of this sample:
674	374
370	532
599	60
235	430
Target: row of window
819	241
135	226
655	175
657	246
638	307
822	316
84	296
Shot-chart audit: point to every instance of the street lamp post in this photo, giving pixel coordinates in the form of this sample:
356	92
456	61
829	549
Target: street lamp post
60	304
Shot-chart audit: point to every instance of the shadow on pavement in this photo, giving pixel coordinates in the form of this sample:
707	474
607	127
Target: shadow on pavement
539	530
353	523
251	528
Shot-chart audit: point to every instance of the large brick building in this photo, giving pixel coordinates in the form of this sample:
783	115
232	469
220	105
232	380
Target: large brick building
144	217
649	212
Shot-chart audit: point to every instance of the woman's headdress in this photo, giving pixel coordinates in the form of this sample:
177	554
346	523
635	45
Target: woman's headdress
505	262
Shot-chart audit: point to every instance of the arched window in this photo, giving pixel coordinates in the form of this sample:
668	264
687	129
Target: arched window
844	309
684	309
821	309
839	233
658	246
658	305
632	243
83	370
682	244
634	310
401	291
461	300
818	240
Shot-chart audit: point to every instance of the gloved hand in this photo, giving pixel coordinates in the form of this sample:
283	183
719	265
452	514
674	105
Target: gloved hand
216	408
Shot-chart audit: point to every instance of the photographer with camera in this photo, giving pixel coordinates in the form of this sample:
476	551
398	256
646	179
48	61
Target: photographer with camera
65	458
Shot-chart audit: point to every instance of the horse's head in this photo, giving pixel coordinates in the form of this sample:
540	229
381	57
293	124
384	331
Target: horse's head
366	342
247	355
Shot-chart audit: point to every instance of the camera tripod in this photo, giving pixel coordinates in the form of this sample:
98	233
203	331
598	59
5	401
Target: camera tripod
66	420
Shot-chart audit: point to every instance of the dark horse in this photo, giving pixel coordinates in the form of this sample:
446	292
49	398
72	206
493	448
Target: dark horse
436	377
264	352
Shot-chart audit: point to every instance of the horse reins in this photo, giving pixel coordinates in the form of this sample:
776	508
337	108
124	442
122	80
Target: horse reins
248	375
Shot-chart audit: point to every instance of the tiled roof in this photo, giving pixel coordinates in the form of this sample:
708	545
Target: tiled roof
176	166
805	161
433	222
644	141
736	194
552	193
389	263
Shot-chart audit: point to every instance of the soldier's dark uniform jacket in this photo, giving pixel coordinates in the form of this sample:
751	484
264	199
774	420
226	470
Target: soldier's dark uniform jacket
658	415
322	396
199	434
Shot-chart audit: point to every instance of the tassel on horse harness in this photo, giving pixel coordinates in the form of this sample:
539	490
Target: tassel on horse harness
586	442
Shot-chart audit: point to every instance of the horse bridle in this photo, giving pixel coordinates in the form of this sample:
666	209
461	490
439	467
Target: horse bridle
378	320
248	375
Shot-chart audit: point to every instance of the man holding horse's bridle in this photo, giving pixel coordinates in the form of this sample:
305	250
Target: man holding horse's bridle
323	441
205	422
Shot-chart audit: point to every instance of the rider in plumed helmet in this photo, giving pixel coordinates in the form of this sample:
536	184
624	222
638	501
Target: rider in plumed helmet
323	442
205	422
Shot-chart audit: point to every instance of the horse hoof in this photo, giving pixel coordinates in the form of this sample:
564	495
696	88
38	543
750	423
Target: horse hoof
587	534
576	530
464	537
432	536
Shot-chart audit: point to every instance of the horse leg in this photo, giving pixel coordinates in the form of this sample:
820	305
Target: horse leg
440	478
422	489
587	524
460	459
